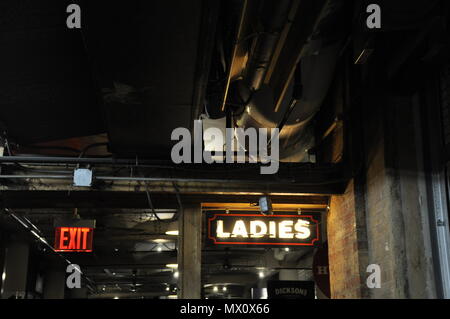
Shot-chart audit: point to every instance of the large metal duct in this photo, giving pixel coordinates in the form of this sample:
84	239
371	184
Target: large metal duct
312	80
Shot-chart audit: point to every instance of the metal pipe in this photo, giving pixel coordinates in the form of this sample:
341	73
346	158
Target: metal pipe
215	167
89	160
266	44
36	176
337	121
185	180
281	40
74	160
146	179
235	50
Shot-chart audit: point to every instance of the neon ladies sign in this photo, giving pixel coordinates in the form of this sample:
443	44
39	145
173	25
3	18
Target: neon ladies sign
281	229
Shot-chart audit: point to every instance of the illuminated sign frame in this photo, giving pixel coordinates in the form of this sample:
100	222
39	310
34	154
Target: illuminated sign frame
310	219
74	235
80	237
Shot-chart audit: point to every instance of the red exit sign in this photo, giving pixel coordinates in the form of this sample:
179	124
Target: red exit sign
74	239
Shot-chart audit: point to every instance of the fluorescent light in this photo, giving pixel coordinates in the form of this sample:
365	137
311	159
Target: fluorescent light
261	274
116	297
172	297
173	266
172	232
4	276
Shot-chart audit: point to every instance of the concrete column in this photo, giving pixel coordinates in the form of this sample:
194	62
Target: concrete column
189	253
15	270
54	284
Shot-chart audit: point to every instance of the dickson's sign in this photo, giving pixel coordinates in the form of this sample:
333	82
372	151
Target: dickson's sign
280	229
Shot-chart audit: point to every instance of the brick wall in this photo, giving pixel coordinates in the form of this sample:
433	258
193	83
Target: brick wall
341	249
385	228
345	251
382	216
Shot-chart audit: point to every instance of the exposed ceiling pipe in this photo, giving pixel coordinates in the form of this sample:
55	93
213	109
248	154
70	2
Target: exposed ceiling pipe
72	160
187	180
266	44
305	87
234	54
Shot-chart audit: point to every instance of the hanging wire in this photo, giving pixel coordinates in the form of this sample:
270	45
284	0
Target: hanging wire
150	203
180	204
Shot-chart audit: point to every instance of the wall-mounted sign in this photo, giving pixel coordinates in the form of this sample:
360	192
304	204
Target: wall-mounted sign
280	229
74	235
290	289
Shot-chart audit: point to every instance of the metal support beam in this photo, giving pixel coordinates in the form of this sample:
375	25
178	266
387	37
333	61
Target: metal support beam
97	200
292	178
